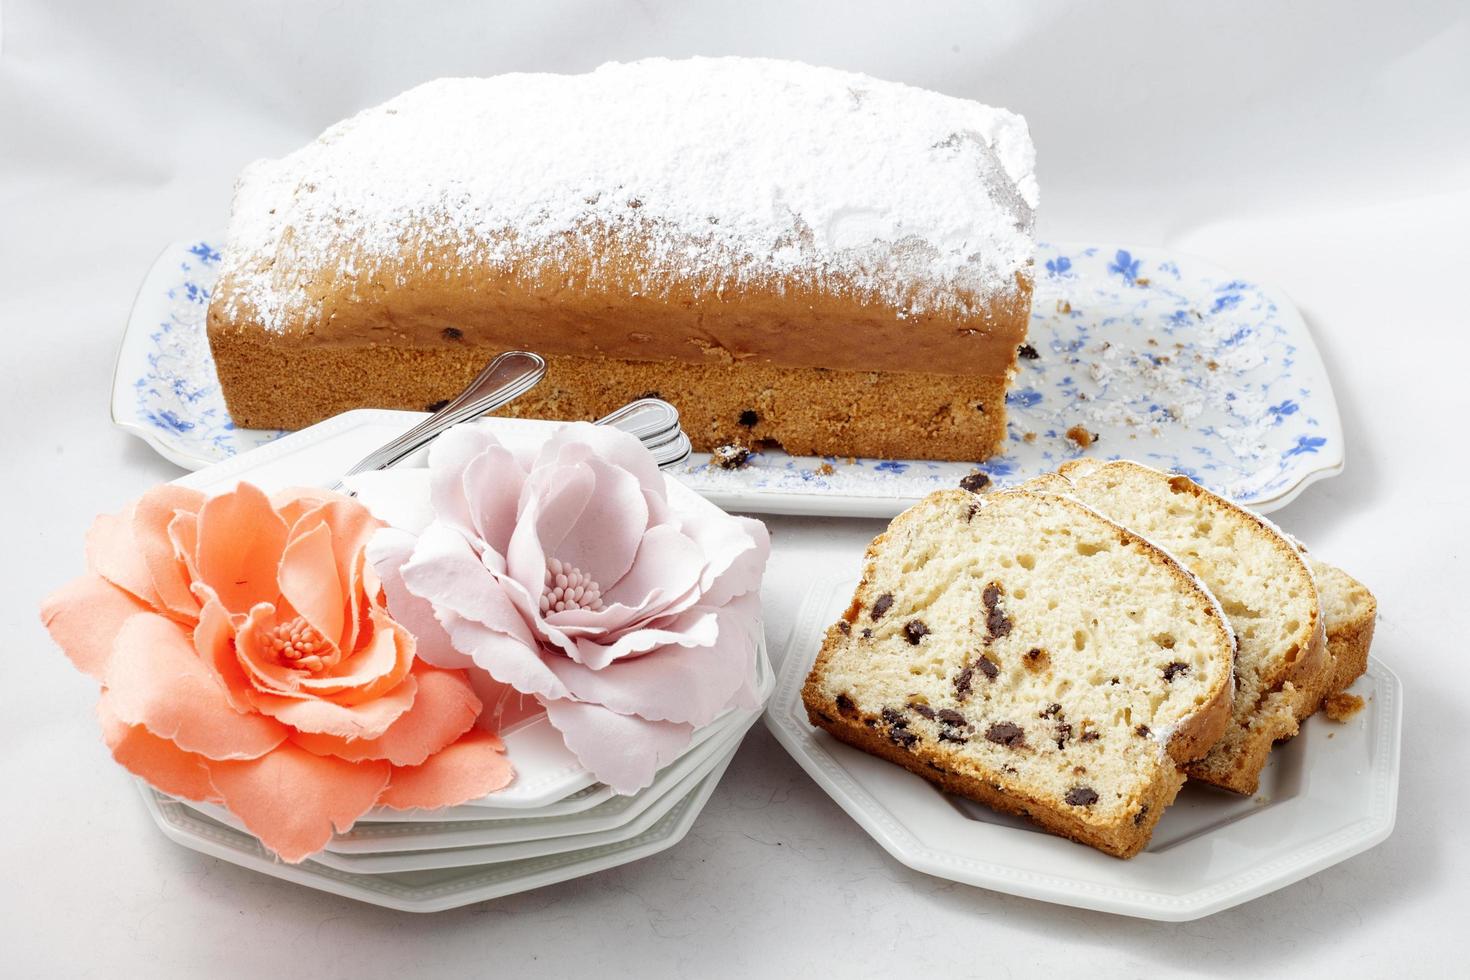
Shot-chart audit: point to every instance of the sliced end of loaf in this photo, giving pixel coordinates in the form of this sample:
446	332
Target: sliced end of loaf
1023	651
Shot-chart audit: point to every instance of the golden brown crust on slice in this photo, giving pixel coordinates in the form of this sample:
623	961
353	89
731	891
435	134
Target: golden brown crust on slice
1350	612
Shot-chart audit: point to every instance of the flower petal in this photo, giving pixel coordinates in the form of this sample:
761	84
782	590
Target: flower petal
214	642
388	550
601	535
240	543
155	679
449	455
366	720
444	708
84	617
669	563
736	550
152	515
505	658
672	683
309	581
621	449
165	766
472	767
292	799
445	571
113	554
624	751
697	627
492	483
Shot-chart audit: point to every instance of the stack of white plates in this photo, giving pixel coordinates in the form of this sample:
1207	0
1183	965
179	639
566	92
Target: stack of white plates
554	822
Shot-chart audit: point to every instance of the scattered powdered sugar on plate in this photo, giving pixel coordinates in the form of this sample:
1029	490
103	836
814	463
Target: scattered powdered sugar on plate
723	171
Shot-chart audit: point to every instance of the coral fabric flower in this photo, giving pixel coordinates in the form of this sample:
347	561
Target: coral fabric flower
574	575
247	658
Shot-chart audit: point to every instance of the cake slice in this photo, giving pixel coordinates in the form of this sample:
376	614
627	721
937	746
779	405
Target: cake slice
1261	580
1023	651
1350	612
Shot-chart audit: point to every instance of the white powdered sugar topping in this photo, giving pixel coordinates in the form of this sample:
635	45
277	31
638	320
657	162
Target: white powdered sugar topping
727	172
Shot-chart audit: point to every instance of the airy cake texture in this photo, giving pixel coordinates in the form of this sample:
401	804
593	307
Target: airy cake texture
1261	580
784	252
1024	651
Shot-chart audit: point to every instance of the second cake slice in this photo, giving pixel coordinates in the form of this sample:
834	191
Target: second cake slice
1023	651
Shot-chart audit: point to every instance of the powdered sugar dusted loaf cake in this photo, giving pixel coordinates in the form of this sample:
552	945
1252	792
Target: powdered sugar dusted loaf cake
1024	651
803	255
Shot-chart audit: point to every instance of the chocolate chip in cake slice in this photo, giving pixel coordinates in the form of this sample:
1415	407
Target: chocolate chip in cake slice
922	710
748	418
1027	352
1064	734
1143	731
894	718
1051	711
987	667
948	735
903	737
845	627
974	482
1006	733
1138	817
962	682
1090	736
914	631
997	623
867	634
1081	796
452	333
845	704
884	603
949	716
1175	669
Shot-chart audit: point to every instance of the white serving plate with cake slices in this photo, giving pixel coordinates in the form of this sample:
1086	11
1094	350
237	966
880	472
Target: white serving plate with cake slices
1326	795
1167	358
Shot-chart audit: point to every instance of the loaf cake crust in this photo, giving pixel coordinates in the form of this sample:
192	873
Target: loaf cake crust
953	662
714	214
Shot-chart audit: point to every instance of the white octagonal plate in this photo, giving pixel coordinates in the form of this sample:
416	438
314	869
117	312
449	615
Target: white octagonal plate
435	890
1326	795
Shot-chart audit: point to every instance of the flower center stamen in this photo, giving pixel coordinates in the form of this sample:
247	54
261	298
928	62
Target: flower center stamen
299	644
568	587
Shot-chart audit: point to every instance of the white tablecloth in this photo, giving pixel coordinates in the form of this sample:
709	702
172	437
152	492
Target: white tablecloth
1324	147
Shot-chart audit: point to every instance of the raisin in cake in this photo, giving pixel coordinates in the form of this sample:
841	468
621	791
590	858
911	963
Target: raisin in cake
1023	651
1262	581
789	254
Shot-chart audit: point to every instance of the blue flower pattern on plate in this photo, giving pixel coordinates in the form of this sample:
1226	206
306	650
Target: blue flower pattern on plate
1163	357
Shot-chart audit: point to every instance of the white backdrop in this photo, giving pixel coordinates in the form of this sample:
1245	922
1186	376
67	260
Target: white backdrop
1324	147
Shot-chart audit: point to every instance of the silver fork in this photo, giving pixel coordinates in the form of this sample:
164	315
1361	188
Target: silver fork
510	375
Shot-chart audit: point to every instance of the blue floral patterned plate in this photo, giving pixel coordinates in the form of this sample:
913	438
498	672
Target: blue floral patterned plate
1140	353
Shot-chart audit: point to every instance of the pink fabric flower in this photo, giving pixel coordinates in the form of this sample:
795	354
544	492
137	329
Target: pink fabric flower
247	658
575	576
